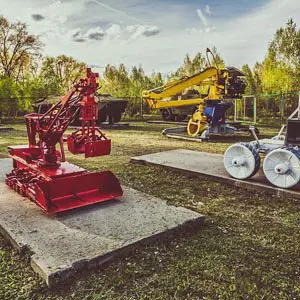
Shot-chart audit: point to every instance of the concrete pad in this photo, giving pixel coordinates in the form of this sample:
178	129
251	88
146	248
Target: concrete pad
211	166
88	237
5	129
106	125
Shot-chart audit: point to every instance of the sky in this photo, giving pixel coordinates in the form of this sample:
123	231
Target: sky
156	34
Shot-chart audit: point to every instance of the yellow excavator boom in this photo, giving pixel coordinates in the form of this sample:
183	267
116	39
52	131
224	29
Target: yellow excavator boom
180	85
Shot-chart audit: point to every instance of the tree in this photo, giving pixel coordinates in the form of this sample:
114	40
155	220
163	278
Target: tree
17	48
286	44
281	67
9	96
276	75
61	72
257	75
197	64
218	61
251	88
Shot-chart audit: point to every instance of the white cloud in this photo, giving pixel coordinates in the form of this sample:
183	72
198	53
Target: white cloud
96	33
76	35
207	9
142	30
202	17
194	30
210	29
240	38
114	31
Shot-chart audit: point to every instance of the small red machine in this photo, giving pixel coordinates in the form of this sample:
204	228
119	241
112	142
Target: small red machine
40	171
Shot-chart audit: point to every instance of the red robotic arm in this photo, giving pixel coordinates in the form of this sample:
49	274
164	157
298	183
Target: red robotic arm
51	126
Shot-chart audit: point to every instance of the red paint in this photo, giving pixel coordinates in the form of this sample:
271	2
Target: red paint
39	170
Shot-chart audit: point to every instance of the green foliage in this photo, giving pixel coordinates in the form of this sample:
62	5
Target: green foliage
9	96
192	66
198	63
251	84
18	49
59	73
280	70
121	83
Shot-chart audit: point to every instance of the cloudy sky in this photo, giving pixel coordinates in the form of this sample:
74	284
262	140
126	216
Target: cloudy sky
154	33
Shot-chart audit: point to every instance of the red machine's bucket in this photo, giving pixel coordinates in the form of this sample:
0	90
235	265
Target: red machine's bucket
71	192
91	149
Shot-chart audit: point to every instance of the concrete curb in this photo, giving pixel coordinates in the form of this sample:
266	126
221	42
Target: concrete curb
251	185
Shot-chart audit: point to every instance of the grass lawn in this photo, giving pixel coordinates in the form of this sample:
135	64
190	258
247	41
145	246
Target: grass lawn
249	247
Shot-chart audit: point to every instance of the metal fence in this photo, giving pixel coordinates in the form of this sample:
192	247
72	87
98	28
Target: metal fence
269	110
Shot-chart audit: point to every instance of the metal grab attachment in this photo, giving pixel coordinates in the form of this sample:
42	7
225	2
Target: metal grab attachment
81	141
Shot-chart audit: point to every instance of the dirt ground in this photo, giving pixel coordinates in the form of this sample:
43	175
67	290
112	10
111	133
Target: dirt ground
249	247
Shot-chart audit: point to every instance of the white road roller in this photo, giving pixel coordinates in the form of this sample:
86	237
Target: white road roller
281	164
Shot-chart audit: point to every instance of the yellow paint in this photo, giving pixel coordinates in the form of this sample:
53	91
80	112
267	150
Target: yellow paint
215	79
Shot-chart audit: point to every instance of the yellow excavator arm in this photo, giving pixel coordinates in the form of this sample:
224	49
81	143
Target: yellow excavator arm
222	83
172	88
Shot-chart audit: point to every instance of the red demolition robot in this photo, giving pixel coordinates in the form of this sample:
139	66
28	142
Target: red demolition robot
40	171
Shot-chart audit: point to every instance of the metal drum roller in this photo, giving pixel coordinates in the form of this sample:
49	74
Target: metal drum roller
282	167
242	160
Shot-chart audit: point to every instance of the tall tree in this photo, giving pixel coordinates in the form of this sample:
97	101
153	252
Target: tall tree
17	48
281	67
195	65
286	44
257	75
62	71
251	88
218	61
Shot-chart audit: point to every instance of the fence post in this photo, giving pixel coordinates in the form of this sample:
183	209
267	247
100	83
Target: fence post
254	110
299	106
244	109
267	110
281	109
235	109
142	109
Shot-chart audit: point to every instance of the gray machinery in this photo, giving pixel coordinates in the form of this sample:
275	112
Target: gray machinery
281	165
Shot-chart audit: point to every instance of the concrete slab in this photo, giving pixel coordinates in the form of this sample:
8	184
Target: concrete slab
119	125
89	237
211	166
106	125
5	129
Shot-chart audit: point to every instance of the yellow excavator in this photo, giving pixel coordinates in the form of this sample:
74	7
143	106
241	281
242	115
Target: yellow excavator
208	109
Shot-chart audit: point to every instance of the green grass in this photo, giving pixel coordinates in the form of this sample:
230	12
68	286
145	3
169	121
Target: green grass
249	247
